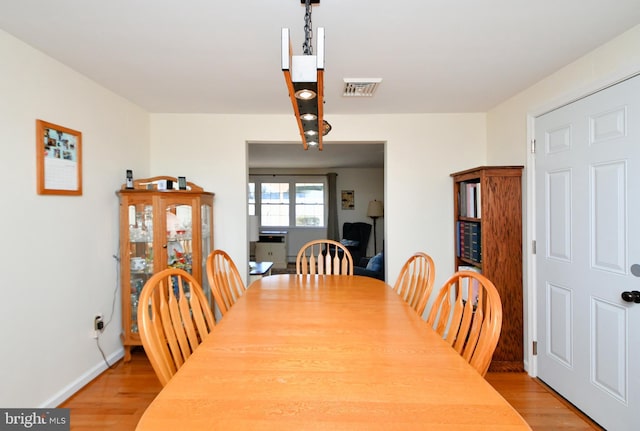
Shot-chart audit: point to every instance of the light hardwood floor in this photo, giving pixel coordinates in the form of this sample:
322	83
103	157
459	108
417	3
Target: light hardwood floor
116	399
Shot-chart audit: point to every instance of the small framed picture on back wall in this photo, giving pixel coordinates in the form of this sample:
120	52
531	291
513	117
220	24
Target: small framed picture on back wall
348	202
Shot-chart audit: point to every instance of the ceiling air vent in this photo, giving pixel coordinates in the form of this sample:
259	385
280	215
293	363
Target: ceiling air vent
360	87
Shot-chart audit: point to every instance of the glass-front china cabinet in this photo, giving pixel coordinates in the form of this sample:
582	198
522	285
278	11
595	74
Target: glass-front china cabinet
164	222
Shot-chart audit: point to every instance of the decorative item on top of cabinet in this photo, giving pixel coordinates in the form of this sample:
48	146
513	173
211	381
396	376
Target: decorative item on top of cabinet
160	227
487	211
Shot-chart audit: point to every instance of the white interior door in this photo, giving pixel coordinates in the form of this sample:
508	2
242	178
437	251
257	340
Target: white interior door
587	173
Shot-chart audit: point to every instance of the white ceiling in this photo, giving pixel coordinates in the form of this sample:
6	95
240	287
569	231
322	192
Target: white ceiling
206	56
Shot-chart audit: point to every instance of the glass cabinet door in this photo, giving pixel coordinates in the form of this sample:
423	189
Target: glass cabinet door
206	243
205	233
140	253
179	237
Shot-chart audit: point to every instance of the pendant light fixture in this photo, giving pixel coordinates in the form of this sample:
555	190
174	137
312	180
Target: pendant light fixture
304	77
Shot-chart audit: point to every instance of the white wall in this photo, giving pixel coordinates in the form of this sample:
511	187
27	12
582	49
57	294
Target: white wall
508	135
56	258
421	152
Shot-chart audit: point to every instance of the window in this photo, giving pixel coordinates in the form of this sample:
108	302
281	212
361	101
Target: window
309	204
274	205
252	199
289	202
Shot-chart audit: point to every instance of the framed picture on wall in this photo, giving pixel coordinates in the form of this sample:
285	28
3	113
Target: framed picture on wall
58	159
348	202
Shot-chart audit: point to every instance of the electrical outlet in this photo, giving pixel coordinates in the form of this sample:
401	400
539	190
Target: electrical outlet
98	325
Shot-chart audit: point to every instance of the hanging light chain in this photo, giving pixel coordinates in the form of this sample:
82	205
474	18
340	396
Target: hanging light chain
307	49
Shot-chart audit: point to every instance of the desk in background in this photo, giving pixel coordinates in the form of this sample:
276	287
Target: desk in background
258	270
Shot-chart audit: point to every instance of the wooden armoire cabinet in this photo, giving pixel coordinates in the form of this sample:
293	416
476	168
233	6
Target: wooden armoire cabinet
161	226
488	238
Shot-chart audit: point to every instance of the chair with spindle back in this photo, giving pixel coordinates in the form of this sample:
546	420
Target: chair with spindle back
415	282
467	313
324	257
173	319
224	278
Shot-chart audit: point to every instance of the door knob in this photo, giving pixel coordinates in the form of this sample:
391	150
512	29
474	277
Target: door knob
633	296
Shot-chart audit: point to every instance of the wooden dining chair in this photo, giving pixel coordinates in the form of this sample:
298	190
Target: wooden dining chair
173	319
324	257
415	282
467	313
224	279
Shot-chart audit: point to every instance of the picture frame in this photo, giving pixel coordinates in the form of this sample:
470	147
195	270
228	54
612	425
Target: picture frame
348	202
58	159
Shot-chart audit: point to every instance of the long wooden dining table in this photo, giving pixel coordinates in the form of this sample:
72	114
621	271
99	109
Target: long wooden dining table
326	353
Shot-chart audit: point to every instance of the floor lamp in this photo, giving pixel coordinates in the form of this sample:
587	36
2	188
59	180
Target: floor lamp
375	210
